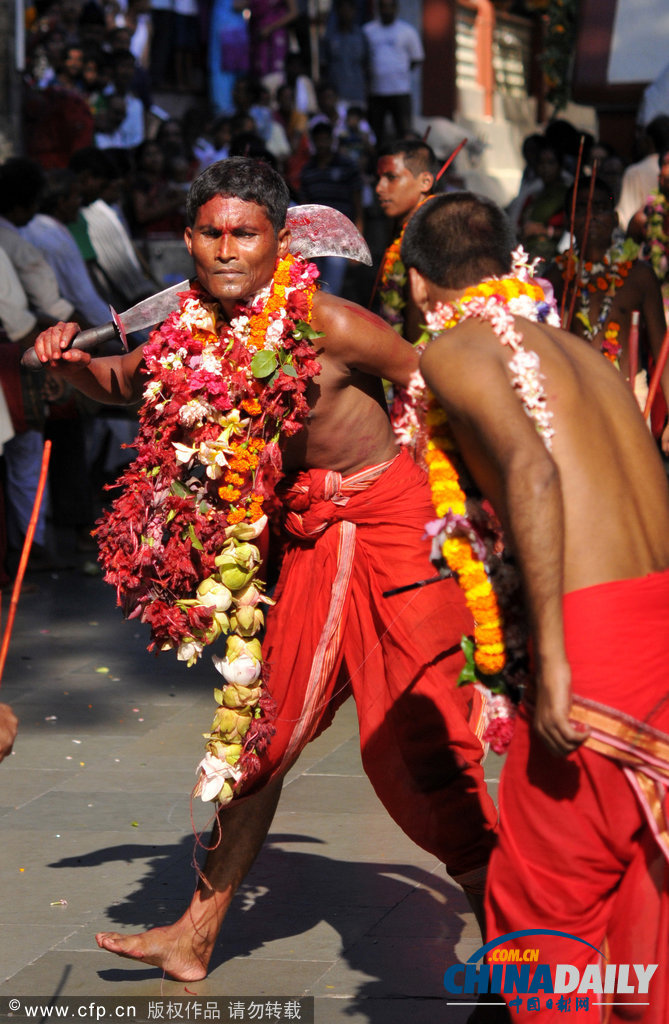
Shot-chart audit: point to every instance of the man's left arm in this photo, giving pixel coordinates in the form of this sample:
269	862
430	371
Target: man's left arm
363	341
505	454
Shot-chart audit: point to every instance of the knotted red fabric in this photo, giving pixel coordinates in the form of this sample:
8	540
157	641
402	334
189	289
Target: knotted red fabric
584	844
333	633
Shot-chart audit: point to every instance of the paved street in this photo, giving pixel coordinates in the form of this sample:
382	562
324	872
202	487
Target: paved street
96	834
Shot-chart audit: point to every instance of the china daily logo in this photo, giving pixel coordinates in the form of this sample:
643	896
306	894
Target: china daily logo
510	970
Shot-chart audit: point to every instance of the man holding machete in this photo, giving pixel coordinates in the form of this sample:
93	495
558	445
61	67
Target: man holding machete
352	510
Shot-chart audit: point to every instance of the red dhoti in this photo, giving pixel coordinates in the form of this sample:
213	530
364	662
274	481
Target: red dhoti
332	632
584	844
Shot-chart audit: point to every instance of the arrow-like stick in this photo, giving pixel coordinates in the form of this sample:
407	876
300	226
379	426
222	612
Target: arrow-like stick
578	278
572	219
657	375
25	553
451	158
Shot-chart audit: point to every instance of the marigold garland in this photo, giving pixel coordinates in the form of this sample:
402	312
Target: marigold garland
605	276
177	540
466	533
393	282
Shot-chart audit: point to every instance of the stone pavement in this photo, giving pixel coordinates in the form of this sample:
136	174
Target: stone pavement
95	813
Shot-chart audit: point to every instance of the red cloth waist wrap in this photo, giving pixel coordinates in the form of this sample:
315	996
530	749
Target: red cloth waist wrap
332	632
617	638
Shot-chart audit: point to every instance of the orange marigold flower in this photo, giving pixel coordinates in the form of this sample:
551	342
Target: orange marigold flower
252	406
228	493
236	515
602	284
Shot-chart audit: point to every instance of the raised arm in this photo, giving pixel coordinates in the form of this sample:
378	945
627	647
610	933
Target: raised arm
363	341
469	376
113	380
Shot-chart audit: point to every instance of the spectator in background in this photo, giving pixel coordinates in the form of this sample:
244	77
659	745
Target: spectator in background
157	206
110	120
101	235
294	74
67	419
395	49
162	42
21	184
132	130
57	119
543	219
228	52
268	33
214	143
294	123
331	179
186	43
59	205
345	55
639	179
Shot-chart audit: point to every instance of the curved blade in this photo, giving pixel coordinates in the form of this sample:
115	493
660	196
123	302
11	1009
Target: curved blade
323	231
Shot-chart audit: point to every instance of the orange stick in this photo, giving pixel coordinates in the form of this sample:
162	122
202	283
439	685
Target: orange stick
25	553
571	227
451	158
657	374
634	347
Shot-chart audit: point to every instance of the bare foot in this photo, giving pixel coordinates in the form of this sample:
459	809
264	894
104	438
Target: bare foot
175	949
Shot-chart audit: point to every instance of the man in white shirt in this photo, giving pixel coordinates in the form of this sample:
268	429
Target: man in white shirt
640	179
47	231
395	49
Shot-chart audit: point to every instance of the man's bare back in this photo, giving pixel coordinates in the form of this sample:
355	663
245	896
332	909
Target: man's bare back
614	490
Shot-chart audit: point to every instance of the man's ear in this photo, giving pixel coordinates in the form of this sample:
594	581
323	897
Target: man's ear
419	290
284	239
188	239
426	182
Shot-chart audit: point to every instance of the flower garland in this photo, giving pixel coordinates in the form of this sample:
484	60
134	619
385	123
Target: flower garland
392	287
466	533
605	276
655	248
393	281
176	542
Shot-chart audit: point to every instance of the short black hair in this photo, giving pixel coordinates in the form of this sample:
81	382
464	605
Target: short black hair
254	181
458	239
417	154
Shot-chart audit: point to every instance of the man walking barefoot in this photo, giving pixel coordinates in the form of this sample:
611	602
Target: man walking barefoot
354	511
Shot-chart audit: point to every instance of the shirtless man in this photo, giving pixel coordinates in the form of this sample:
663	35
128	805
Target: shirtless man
587	517
406	175
358	510
603	316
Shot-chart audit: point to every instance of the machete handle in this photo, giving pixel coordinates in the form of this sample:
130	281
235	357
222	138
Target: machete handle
85	340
